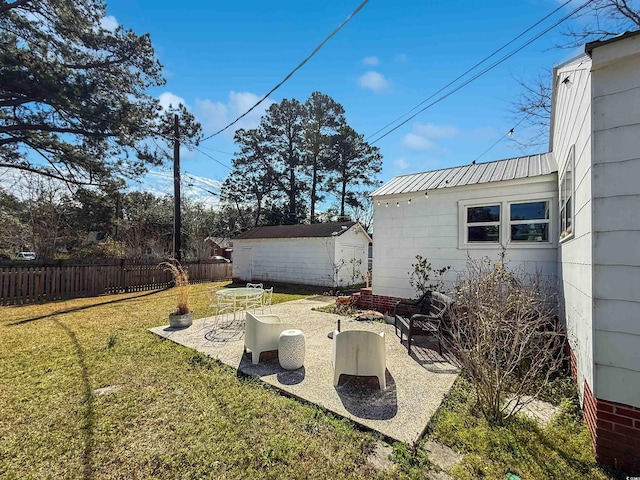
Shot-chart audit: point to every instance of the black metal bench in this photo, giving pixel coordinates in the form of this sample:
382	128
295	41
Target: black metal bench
423	317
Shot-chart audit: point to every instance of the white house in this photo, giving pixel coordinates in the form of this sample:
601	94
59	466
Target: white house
573	212
323	254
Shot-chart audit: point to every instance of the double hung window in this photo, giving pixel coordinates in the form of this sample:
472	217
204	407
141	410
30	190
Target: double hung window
516	220
483	224
529	221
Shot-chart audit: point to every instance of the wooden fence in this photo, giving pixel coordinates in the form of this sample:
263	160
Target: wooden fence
25	283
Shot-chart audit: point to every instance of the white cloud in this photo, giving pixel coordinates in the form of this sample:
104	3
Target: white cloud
433	131
169	99
370	61
109	23
423	137
401	164
418	143
374	81
216	115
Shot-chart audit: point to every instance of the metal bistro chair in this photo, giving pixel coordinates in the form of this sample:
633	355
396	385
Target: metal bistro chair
255	301
267	298
226	307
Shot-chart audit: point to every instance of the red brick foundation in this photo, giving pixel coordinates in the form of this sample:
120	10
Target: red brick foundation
379	303
615	430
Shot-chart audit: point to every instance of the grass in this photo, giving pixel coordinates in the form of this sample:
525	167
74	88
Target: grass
171	413
562	449
86	391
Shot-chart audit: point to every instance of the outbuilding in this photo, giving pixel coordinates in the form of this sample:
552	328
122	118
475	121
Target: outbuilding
324	254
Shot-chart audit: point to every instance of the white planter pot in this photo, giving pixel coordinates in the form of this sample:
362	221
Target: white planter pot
180	321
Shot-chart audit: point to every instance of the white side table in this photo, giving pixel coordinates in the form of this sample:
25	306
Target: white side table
291	349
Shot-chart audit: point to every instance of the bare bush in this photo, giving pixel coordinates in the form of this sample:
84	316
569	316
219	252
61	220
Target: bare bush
504	332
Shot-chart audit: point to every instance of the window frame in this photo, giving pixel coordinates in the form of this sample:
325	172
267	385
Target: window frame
505	221
538	221
493	223
567	233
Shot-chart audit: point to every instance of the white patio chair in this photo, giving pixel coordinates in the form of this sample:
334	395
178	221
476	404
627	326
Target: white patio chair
226	307
254	302
262	333
267	297
359	352
213	300
211	294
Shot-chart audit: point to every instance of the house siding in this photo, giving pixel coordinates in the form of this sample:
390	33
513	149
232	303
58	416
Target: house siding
616	226
431	227
572	129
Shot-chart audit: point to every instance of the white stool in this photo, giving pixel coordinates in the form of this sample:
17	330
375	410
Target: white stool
291	349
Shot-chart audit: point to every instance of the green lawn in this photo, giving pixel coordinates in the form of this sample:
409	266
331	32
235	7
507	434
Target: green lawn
173	413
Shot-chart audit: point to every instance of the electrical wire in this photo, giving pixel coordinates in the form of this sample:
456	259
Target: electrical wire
478	75
290	74
471	69
213	158
500	139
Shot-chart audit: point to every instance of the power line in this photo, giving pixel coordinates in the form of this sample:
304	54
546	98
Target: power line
478	75
213	158
353	14
470	69
510	132
216	150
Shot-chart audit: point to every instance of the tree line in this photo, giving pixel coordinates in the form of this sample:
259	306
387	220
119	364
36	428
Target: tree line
118	224
301	158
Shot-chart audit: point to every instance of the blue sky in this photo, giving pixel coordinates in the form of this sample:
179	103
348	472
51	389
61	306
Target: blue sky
220	57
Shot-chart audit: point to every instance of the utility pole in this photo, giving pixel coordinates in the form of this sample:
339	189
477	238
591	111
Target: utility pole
177	222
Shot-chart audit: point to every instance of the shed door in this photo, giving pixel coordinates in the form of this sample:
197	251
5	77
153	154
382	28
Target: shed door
244	262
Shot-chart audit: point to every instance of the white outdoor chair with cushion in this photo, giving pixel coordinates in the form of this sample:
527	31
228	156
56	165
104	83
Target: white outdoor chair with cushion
267	297
359	352
262	333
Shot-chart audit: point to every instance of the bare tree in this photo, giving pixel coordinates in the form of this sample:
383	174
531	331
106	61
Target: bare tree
505	334
600	19
533	107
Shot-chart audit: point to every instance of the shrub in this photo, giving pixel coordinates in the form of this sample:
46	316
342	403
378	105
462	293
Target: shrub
505	334
423	277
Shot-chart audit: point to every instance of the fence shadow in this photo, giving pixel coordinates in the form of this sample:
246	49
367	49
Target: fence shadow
84	307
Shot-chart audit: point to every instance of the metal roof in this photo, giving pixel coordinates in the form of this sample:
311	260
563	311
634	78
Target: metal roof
297	231
496	171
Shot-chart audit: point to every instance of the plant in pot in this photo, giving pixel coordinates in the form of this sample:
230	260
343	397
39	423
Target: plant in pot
182	317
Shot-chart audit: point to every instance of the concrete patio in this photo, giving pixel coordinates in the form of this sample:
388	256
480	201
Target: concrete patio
416	384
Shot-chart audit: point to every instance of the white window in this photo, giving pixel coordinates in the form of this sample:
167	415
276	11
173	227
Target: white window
529	221
567	188
520	220
483	224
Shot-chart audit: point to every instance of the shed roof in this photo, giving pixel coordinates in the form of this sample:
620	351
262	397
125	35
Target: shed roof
298	231
496	171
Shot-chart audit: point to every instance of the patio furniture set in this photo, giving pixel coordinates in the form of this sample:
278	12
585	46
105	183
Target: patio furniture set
355	352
